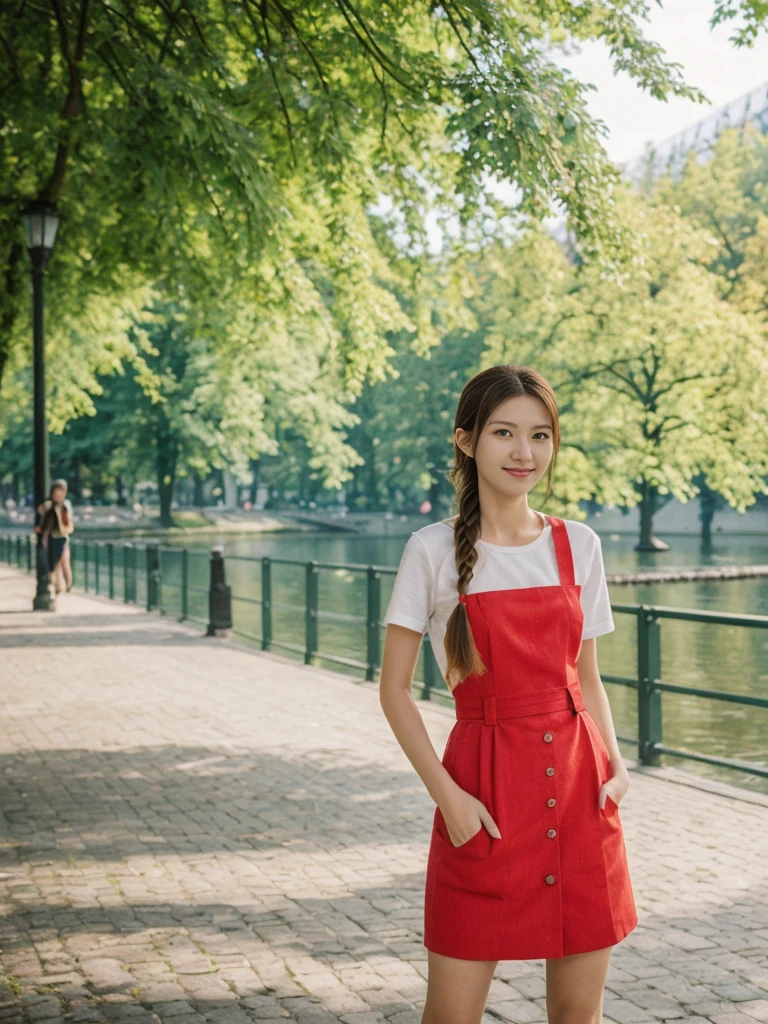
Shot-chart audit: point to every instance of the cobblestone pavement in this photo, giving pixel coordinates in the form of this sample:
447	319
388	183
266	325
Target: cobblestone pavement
196	832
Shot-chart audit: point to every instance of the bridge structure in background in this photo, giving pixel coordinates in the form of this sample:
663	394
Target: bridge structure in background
670	155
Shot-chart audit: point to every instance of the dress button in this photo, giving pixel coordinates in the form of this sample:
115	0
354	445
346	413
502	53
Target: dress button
552	833
547	737
551	802
550	771
550	879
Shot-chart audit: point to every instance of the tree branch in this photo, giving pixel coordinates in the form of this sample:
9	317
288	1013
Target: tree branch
73	101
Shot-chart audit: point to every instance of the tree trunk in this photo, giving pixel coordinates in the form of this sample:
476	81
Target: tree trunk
707	508
166	480
199	496
13	295
648	508
304	482
373	480
166	457
256	470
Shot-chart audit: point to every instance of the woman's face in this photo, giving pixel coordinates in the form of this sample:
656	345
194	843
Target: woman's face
515	445
58	494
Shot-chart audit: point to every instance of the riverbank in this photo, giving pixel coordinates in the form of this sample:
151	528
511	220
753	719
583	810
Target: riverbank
108	523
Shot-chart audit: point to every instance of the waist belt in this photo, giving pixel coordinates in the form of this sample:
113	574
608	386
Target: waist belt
490	709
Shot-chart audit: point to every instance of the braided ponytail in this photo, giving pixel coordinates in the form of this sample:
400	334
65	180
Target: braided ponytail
480	397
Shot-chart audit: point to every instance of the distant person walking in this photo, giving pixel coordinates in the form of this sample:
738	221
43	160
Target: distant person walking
55	526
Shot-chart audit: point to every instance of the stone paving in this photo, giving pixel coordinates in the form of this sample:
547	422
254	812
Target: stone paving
192	831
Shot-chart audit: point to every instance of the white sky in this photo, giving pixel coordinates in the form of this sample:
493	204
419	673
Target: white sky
633	117
721	70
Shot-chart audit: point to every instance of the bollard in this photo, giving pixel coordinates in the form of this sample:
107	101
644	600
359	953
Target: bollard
219	597
45	598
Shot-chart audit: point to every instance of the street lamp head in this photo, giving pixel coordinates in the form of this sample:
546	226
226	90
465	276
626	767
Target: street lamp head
40	224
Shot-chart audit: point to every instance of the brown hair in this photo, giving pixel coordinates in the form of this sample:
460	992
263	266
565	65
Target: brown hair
480	397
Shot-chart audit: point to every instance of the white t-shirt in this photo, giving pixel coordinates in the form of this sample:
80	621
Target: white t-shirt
424	593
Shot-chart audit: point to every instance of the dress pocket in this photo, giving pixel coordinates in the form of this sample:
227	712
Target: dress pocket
462	846
610	807
476	866
610	811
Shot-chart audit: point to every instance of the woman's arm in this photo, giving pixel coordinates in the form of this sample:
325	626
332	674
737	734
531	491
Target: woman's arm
599	708
464	814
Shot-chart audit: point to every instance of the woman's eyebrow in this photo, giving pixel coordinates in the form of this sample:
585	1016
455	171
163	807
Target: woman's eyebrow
509	423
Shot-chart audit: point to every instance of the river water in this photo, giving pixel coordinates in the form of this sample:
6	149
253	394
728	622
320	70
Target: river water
719	657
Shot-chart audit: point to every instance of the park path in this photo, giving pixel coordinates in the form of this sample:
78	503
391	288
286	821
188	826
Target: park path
194	832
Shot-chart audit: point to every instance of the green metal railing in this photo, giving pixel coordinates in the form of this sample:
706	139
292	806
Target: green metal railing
159	578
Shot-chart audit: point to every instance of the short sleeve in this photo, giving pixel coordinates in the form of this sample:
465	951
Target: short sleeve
595	600
411	603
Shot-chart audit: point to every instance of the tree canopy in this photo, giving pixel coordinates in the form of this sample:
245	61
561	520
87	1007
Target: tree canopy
206	141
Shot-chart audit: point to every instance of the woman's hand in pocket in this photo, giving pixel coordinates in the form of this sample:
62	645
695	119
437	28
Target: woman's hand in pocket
615	788
464	816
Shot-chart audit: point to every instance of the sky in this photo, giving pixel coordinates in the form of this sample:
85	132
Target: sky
722	71
633	117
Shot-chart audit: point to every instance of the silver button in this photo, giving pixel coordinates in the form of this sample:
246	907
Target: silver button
547	737
550	879
552	833
551	802
550	771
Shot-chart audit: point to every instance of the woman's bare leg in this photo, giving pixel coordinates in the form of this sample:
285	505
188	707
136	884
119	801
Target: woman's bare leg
575	986
55	578
456	989
66	566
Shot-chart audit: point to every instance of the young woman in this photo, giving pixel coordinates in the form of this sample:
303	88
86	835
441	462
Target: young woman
56	524
527	857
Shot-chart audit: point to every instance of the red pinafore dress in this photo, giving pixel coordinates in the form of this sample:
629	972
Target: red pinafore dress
557	882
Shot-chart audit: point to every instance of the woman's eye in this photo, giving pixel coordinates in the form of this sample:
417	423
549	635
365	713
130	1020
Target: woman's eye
539	433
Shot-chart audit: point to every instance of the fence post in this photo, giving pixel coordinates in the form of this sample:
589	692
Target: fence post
126	580
111	569
29	553
184	583
373	605
266	603
85	567
311	578
96	567
649	719
219	597
152	553
18	551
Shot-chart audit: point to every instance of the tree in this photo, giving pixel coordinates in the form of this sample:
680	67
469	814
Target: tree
196	140
659	378
726	196
753	15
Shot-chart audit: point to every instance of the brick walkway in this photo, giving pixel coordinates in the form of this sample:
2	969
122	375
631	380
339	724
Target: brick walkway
193	831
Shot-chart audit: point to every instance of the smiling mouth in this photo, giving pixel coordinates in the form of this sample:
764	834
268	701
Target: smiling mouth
520	471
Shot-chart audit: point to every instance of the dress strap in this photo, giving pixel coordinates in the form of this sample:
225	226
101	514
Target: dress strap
563	551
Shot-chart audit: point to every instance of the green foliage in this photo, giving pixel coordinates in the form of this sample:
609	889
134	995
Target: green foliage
752	13
193	143
658	376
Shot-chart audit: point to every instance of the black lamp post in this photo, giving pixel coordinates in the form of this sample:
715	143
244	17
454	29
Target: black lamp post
40	224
